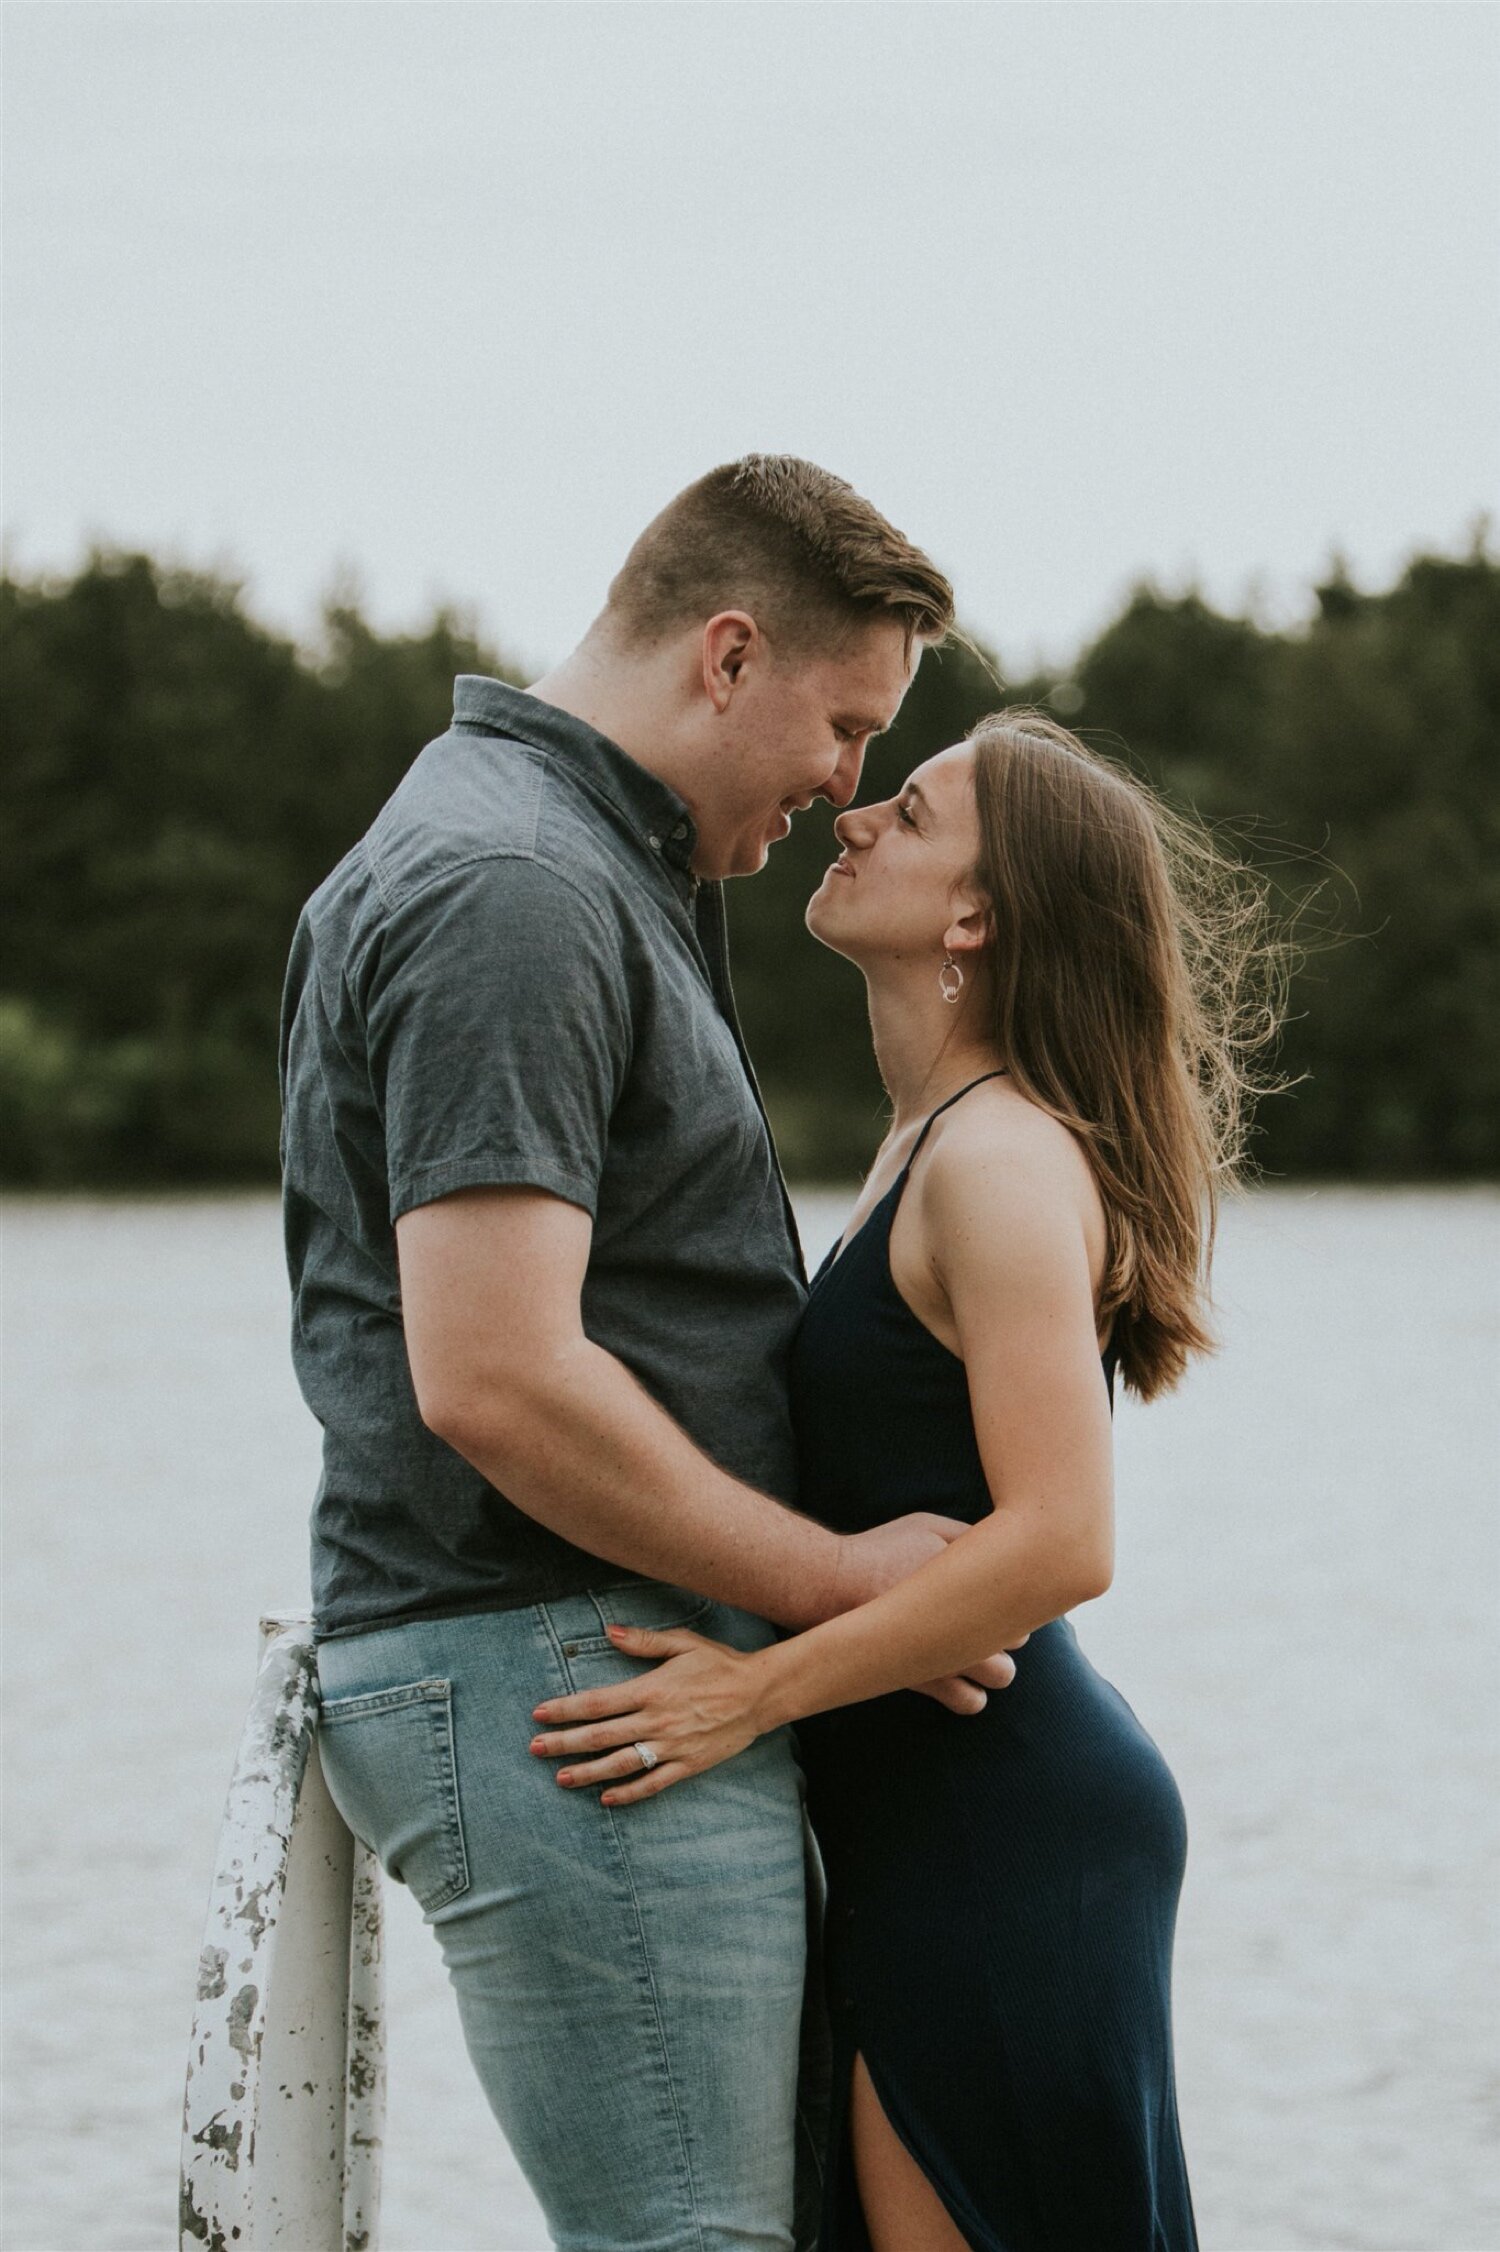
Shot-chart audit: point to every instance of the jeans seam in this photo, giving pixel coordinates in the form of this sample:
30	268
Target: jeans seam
663	2047
599	1615
804	2127
622	1864
444	1748
333	1710
545	1616
598	1645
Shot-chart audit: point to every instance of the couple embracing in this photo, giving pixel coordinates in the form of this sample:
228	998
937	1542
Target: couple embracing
658	1591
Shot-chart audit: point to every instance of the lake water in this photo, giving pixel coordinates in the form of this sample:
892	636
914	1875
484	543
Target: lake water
1306	1614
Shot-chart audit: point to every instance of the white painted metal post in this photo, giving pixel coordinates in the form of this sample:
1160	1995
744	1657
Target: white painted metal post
284	2112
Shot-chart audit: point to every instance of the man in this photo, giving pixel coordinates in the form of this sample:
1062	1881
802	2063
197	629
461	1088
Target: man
545	1273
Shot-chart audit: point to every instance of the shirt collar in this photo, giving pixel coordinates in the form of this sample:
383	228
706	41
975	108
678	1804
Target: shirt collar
656	812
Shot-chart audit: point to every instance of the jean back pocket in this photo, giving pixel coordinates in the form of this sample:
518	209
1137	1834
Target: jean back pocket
389	1763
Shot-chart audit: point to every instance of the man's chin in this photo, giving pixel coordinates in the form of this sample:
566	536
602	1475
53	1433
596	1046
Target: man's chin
745	860
749	853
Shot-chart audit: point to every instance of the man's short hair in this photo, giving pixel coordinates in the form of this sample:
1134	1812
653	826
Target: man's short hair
798	548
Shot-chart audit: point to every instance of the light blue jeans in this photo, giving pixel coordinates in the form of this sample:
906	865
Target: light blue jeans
630	1980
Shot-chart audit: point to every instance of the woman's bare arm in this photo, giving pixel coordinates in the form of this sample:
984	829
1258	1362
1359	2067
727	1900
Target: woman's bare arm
1005	1225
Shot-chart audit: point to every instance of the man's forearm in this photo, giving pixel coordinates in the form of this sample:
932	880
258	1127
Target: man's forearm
582	1447
994	1586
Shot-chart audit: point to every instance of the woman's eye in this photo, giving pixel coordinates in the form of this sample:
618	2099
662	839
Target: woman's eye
903	813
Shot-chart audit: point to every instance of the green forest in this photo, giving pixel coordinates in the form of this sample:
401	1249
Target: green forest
177	778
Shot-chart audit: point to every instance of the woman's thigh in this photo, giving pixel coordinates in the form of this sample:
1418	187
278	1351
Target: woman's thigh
630	1980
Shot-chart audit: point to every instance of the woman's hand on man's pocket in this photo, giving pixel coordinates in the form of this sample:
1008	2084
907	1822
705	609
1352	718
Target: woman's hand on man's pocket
699	1706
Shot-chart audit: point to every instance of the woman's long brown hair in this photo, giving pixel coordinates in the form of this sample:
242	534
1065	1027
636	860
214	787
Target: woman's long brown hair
1137	979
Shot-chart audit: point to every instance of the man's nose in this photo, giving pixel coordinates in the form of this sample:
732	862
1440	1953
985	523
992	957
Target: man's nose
843	782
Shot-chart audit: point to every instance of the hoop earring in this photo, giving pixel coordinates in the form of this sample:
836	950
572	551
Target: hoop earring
950	968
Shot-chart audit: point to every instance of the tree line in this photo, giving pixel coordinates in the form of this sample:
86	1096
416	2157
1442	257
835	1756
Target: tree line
177	778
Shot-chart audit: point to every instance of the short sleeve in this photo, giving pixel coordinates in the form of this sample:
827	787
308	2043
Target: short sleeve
498	1030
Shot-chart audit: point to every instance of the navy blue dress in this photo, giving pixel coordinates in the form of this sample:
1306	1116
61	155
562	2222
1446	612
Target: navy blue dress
1002	1886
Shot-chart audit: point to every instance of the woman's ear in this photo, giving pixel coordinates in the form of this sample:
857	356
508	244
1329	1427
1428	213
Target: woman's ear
972	927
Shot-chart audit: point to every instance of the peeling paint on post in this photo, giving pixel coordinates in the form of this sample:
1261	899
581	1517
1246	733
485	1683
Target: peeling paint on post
284	2112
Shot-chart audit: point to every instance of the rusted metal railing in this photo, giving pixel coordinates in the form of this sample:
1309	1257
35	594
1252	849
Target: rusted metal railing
284	2112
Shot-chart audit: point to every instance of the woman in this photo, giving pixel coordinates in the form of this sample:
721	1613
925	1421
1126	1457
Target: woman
1056	970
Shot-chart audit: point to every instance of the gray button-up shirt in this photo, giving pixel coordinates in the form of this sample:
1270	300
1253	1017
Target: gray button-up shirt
514	978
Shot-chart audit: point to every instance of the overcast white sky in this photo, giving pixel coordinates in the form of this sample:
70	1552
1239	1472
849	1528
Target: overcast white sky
459	294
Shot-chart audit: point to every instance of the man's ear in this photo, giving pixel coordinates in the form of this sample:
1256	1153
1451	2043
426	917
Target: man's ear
730	638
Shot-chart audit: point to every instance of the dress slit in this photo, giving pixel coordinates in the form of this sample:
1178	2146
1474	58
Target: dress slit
852	2229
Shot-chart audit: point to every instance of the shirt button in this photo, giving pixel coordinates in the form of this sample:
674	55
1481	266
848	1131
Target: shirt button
654	843
570	1649
680	831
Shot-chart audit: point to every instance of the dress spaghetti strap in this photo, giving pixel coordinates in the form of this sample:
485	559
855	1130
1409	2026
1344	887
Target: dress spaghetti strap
928	1122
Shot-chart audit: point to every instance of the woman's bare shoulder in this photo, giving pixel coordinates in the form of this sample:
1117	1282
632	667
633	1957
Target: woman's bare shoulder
1002	1156
997	1122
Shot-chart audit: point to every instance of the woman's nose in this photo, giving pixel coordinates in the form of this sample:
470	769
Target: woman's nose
849	827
